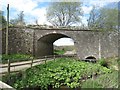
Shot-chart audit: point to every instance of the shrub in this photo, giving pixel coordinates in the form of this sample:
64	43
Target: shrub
12	78
103	62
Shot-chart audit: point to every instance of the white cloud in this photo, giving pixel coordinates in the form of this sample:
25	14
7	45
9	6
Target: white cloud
86	9
84	20
40	14
29	7
100	3
63	42
22	5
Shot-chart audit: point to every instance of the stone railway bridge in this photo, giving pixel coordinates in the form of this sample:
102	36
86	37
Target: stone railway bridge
39	41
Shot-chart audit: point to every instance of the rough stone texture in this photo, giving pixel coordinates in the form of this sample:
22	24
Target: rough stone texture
20	41
109	44
39	42
0	42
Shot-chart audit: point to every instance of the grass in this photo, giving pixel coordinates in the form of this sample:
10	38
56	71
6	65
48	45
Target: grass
109	80
59	52
15	58
111	62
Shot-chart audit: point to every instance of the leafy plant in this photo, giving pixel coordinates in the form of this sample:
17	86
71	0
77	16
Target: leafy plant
61	72
103	62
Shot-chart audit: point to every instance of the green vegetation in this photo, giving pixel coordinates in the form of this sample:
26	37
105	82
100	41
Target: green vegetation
15	57
111	62
103	18
61	72
103	62
59	52
104	81
68	73
2	20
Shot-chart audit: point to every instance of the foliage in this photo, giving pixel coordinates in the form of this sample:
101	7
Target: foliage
103	62
64	13
12	78
103	18
2	20
109	80
61	72
110	62
15	57
59	52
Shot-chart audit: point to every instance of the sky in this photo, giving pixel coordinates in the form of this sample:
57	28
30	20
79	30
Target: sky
36	9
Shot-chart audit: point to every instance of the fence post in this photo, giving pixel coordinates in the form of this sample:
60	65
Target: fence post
8	66
8	71
54	57
31	63
45	59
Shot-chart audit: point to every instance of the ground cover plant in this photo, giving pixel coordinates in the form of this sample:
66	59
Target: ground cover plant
15	57
109	80
61	72
59	52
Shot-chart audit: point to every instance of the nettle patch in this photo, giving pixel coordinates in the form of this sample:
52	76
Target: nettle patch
61	72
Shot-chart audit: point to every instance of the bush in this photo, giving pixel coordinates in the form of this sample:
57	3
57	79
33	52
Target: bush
103	62
12	78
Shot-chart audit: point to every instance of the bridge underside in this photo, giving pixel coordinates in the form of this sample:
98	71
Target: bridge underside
45	44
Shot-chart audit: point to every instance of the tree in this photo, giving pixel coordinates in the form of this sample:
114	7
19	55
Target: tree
103	18
2	20
19	20
109	18
93	19
64	13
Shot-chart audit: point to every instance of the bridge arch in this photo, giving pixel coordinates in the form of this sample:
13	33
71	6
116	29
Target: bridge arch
45	43
91	57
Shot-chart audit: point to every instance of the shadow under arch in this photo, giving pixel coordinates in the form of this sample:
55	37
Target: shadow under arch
90	59
45	43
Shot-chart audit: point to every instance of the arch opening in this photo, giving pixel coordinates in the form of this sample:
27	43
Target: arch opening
46	44
90	59
64	46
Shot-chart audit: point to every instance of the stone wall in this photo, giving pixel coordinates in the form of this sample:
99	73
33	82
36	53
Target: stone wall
20	41
109	44
87	43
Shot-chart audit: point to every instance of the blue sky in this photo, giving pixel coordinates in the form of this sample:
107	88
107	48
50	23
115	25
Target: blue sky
36	9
